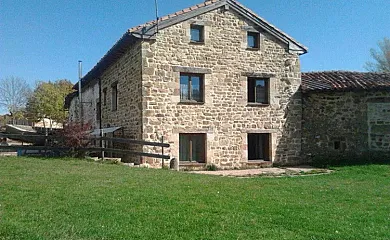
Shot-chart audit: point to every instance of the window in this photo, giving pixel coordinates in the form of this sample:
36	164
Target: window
191	87
192	147
104	96
338	144
258	90
253	39
258	146
197	33
114	97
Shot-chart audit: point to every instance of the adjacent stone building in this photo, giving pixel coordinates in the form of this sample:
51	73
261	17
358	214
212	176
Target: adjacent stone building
220	83
345	114
90	109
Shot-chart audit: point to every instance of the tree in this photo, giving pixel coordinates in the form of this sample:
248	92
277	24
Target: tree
47	101
14	93
381	57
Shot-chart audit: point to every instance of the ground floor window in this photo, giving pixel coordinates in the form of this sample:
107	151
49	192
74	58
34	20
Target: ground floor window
192	147
258	146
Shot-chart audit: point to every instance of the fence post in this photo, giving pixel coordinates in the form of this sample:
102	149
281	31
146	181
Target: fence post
102	143
162	151
46	133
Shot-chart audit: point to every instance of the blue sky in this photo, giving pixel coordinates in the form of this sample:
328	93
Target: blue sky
44	39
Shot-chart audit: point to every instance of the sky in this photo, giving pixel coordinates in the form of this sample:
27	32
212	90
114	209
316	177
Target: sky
44	39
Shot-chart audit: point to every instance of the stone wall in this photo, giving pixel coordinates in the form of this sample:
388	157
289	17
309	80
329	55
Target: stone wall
225	117
126	74
345	123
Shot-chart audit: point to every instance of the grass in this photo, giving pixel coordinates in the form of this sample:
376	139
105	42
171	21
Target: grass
74	199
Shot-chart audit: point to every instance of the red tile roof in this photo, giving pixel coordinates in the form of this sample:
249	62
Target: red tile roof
344	81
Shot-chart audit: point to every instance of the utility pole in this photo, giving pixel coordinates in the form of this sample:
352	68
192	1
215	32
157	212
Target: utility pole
80	97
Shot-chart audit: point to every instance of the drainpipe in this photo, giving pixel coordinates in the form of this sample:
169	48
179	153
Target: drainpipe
100	100
80	98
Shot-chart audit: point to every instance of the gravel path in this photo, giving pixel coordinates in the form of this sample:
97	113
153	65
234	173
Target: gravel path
299	170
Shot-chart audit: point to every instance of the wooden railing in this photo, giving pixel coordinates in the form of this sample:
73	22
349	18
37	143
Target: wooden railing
47	149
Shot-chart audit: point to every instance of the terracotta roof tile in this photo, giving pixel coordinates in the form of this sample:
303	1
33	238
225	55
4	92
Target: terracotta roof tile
344	81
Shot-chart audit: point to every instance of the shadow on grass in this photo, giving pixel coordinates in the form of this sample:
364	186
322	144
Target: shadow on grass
350	159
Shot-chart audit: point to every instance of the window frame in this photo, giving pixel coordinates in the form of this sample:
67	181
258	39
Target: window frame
114	95
256	36
201	88
251	90
200	28
190	147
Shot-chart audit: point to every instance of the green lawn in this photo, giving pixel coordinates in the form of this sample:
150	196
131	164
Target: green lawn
75	199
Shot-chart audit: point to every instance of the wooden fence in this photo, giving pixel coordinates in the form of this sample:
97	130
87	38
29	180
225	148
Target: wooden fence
49	149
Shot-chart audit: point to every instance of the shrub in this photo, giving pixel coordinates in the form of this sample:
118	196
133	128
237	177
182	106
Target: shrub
75	136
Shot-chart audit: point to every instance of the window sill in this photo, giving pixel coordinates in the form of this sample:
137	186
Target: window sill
195	164
253	49
258	105
197	43
191	103
258	163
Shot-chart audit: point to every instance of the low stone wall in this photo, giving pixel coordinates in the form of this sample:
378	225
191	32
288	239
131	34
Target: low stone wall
345	123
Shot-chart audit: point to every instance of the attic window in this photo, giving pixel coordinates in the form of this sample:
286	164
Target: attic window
197	33
253	39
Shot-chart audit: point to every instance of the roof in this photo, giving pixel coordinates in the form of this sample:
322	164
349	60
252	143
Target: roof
148	30
344	81
98	132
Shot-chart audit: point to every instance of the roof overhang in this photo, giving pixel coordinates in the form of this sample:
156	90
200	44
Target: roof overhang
113	54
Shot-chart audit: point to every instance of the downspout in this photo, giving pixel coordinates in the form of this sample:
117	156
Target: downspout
100	105
142	99
303	155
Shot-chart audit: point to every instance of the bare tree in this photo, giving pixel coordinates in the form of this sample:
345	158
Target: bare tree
381	57
14	93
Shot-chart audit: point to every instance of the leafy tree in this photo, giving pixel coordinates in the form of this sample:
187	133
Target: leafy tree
47	101
381	57
14	93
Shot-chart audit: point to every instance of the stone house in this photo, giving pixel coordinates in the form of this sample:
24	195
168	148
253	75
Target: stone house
221	84
345	113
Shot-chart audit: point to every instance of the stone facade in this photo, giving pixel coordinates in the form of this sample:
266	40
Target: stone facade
126	75
225	116
346	123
